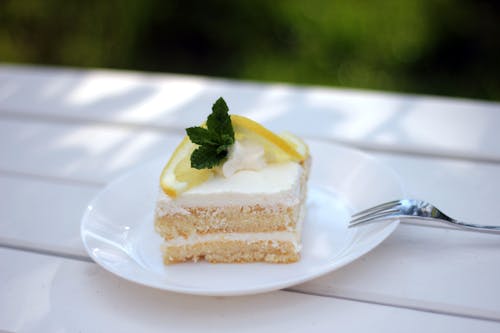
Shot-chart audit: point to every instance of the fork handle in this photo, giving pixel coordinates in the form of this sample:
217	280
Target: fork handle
487	229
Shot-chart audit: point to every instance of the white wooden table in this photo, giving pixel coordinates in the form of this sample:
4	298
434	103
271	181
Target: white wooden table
65	133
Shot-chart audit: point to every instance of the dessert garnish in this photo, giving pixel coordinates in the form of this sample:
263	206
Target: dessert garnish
205	148
214	139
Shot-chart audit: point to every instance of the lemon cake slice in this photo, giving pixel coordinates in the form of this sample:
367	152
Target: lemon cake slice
245	205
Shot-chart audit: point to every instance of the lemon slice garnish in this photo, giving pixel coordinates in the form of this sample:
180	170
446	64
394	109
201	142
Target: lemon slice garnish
178	176
276	148
297	143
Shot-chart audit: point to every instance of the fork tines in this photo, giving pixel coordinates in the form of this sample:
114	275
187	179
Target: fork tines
375	213
377	208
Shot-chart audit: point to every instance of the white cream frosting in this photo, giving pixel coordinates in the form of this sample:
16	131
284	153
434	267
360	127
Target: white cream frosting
277	183
244	155
273	179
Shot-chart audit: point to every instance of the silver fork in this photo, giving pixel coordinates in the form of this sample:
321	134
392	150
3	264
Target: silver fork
414	209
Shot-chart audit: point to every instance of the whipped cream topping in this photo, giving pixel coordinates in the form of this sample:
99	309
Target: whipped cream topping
244	155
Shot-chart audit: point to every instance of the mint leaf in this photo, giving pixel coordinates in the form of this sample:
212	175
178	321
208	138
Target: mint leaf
219	121
202	136
214	140
205	157
227	139
222	150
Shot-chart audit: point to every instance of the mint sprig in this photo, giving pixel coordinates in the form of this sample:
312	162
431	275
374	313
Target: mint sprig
214	140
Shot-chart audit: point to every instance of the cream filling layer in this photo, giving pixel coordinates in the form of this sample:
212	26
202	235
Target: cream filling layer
249	237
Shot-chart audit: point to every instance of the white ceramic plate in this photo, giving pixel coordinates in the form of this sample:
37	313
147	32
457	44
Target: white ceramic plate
117	228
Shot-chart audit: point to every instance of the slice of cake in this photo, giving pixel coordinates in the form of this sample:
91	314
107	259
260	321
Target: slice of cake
233	192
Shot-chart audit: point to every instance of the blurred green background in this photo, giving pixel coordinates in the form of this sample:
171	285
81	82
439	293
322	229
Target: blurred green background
444	47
